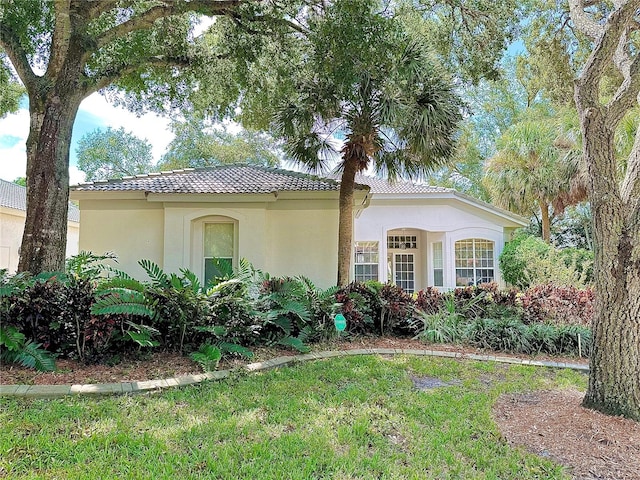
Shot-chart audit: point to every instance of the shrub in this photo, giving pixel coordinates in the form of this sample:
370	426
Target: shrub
444	326
560	305
360	304
397	309
430	300
529	261
50	309
14	348
506	334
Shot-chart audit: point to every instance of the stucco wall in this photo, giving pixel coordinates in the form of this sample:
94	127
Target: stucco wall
432	223
284	237
304	241
11	228
133	230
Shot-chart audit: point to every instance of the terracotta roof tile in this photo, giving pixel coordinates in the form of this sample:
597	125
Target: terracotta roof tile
14	196
226	179
382	186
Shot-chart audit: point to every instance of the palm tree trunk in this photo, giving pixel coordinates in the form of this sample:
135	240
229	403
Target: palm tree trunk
345	228
546	222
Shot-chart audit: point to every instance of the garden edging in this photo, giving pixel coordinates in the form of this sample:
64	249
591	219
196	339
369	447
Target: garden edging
55	391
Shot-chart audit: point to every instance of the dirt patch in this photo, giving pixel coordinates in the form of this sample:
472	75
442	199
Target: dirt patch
553	424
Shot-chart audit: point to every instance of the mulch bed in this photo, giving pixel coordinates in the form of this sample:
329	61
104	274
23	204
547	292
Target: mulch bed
164	365
553	424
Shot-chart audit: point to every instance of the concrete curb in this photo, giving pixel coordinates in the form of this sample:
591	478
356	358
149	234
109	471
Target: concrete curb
56	391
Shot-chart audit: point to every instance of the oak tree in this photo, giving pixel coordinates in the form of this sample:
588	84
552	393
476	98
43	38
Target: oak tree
65	50
612	27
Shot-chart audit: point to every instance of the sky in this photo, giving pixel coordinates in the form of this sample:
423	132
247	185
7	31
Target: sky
95	112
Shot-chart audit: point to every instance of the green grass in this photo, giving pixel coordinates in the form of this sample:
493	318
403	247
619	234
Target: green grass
345	418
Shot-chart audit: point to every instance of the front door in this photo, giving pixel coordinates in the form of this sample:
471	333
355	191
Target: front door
404	271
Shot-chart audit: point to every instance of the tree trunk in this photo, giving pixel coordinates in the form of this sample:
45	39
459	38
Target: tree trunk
546	222
345	228
614	379
45	232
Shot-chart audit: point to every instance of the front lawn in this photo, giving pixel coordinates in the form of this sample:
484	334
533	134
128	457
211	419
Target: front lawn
344	418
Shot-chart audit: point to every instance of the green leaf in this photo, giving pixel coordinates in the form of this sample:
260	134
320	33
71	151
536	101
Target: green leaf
11	338
235	348
156	274
293	342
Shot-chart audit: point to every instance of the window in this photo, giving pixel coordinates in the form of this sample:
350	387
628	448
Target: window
405	276
218	249
474	262
402	241
366	261
438	276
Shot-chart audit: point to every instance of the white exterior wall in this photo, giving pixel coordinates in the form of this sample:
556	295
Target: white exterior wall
132	229
11	228
431	222
283	237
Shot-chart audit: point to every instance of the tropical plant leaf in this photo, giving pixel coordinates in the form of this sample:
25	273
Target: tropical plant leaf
293	342
283	322
192	278
158	277
208	356
121	301
217	330
235	348
142	338
120	283
11	338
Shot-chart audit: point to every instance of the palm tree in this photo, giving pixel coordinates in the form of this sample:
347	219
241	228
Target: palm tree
532	170
398	116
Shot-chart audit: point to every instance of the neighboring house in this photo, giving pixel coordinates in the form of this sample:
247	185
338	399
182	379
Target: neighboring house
13	212
286	223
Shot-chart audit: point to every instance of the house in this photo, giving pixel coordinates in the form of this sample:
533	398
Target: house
286	223
13	212
419	235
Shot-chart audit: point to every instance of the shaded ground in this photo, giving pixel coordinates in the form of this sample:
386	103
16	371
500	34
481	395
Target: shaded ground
553	424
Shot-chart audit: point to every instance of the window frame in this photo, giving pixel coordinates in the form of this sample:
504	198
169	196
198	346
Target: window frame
374	264
477	265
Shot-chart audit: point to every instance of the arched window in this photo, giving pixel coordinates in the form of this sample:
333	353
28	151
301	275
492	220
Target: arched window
474	262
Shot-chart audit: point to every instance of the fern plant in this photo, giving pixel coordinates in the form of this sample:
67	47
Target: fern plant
207	356
122	296
14	348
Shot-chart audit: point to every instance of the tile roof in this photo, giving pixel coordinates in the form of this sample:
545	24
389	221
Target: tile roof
382	186
14	196
225	179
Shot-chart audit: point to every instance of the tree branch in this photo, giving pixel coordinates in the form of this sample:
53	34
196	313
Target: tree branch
627	94
169	8
581	19
11	44
607	42
630	188
61	37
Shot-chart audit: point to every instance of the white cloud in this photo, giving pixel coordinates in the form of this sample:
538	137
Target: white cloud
150	126
13	159
76	176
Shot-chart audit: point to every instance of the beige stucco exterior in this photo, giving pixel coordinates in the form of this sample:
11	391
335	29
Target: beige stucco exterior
292	233
11	227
